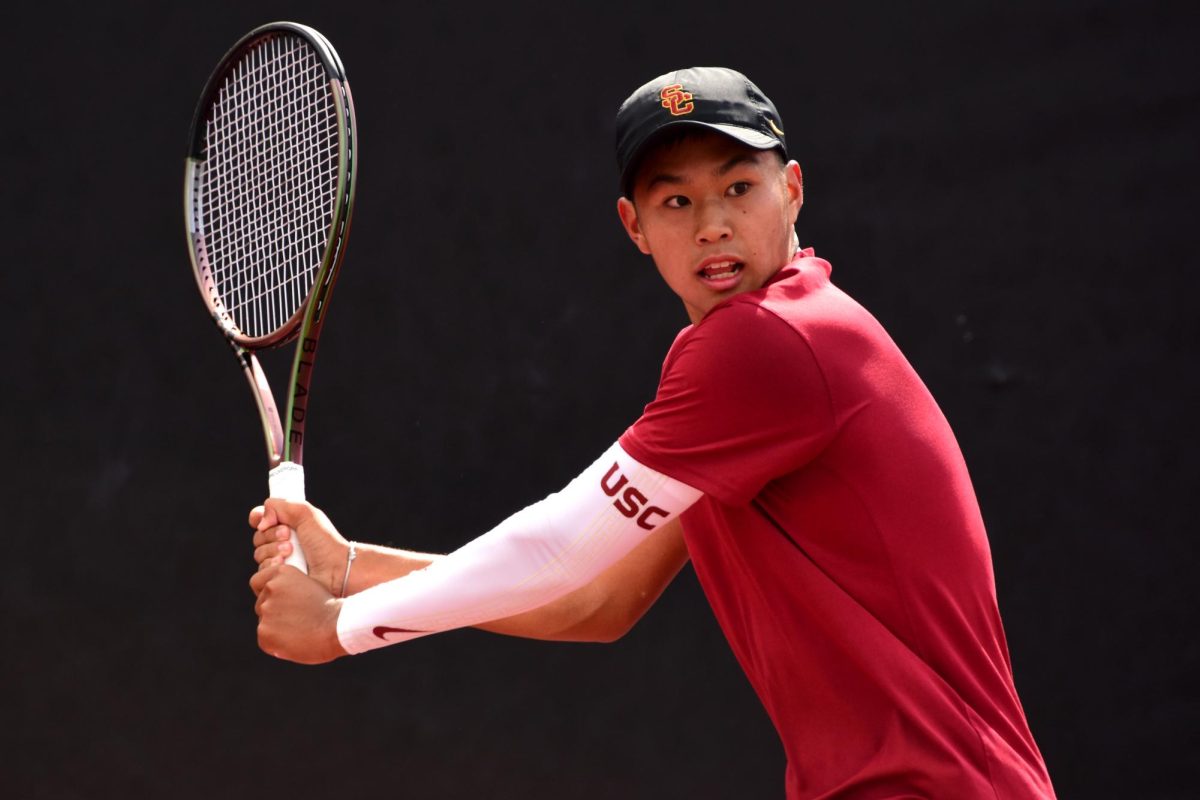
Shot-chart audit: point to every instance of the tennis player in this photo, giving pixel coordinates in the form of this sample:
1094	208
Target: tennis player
791	452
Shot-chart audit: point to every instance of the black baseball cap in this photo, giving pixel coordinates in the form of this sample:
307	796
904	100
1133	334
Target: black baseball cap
716	98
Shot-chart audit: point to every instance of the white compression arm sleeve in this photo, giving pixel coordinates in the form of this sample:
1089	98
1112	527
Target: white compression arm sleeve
535	556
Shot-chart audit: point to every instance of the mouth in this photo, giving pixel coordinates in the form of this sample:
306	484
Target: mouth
721	273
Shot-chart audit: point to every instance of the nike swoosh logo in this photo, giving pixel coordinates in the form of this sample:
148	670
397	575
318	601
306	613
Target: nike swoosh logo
381	631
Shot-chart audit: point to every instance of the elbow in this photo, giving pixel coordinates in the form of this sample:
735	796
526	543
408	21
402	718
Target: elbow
603	634
591	634
604	622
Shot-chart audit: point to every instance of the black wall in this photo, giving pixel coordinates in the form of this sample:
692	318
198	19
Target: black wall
1010	187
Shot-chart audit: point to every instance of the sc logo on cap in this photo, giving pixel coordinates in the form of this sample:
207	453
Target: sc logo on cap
676	100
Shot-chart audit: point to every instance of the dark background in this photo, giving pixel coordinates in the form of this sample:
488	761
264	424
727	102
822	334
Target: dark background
1010	187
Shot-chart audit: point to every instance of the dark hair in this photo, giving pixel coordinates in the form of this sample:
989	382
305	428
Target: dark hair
668	140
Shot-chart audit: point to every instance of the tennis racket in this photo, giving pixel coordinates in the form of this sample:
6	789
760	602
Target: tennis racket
268	195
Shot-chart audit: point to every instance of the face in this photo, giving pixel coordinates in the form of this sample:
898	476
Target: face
716	216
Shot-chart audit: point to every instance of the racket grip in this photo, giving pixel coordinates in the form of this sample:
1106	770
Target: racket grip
287	483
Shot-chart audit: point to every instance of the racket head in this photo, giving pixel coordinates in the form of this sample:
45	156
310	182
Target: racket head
269	184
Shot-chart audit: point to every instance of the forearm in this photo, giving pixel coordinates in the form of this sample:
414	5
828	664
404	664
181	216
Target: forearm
608	607
601	611
537	556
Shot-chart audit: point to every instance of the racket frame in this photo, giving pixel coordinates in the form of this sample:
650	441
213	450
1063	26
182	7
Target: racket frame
284	437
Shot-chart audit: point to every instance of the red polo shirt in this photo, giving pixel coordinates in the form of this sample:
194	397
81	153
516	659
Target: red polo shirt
841	546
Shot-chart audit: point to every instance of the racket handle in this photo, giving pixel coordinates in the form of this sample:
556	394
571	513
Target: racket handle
287	483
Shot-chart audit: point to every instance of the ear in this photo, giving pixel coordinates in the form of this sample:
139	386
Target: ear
627	211
794	180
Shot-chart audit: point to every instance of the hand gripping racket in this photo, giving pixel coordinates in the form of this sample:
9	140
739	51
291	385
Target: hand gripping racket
268	195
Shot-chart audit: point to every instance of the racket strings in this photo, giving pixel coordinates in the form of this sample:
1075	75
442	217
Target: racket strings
266	224
270	182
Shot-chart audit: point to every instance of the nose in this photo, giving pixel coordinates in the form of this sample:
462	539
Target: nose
712	223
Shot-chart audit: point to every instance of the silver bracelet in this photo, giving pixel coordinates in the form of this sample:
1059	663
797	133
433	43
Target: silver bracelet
351	554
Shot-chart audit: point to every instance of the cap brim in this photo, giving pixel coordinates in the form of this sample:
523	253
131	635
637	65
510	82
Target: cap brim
747	136
756	139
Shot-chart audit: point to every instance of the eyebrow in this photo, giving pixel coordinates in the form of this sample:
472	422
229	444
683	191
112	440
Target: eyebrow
668	178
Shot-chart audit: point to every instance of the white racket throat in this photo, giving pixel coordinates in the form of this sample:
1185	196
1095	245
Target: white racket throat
286	482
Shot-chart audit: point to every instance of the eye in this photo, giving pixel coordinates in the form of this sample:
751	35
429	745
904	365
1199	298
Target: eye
738	189
677	201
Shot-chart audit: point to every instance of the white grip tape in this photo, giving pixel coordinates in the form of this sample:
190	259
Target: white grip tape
286	482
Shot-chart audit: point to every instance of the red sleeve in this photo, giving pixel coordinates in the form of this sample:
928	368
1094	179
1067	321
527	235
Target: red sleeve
741	401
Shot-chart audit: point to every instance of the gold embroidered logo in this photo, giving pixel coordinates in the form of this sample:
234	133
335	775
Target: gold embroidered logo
774	127
676	100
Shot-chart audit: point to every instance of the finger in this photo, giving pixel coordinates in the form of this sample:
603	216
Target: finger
283	549
270	562
260	604
265	553
279	533
259	580
267	519
256	514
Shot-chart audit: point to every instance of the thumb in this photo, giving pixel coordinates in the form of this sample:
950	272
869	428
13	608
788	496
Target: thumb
287	512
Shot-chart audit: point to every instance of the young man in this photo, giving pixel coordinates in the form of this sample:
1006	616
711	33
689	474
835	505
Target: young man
791	452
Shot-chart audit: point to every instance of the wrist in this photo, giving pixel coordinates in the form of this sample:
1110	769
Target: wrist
334	648
351	555
375	564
